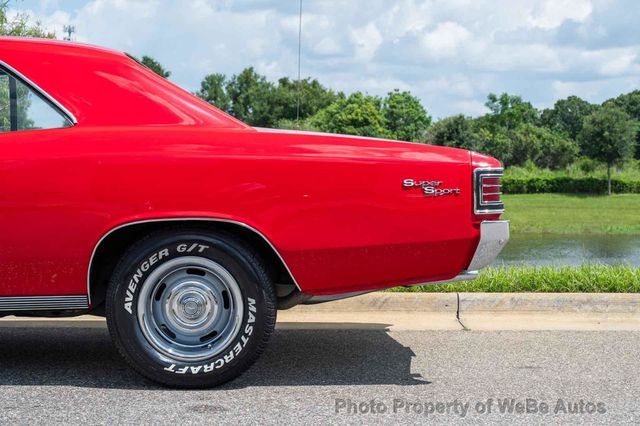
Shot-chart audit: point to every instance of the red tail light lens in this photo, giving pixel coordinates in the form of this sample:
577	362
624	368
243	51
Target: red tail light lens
487	183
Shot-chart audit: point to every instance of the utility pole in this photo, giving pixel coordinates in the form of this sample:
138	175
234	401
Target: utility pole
69	29
299	60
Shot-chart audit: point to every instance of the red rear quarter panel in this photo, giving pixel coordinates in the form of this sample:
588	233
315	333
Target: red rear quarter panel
334	207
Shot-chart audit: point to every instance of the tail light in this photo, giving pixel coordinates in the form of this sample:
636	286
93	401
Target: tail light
487	190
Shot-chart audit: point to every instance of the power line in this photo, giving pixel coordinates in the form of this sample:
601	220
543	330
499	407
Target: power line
299	60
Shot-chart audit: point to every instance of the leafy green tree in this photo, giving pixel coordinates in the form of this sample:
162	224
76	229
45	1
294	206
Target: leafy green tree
213	89
155	66
313	97
405	117
498	145
251	98
637	132
567	116
556	150
357	114
608	135
511	133
20	25
630	103
546	149
304	124
508	112
456	131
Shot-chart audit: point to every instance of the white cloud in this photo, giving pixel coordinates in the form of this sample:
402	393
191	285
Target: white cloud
445	40
596	90
450	53
406	17
611	62
366	40
470	107
534	57
620	65
552	13
563	89
327	46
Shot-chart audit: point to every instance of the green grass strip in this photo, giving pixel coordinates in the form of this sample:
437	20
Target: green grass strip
589	278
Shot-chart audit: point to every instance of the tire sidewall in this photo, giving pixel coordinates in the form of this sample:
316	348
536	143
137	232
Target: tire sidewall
131	277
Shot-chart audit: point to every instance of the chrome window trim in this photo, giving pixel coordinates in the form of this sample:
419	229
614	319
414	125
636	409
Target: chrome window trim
478	175
64	111
183	219
43	303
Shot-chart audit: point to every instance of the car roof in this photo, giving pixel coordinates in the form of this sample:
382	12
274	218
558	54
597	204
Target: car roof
105	87
54	44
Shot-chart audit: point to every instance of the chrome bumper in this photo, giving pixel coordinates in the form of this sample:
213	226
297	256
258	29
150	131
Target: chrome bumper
494	235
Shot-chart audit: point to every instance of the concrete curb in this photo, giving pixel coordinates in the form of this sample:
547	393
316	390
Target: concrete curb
441	311
388	302
550	302
474	311
482	302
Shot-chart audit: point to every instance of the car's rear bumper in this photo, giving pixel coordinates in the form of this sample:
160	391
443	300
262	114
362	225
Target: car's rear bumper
494	235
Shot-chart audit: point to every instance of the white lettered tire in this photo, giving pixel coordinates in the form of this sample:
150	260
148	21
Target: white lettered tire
191	309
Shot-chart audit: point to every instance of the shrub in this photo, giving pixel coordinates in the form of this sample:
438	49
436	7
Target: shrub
567	184
587	165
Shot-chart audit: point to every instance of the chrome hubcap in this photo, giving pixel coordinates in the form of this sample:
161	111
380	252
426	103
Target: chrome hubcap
190	308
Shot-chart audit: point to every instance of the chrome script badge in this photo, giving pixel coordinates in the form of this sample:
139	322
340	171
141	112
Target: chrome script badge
430	188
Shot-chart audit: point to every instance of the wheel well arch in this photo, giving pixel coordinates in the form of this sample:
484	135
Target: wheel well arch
113	244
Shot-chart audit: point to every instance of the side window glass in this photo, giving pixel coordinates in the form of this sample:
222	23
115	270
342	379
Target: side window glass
21	108
5	124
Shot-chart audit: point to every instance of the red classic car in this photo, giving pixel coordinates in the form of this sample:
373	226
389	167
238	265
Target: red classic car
126	196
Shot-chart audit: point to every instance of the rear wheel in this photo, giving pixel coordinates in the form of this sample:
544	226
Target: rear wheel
190	309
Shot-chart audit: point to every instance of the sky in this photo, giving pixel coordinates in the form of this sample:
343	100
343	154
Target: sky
449	53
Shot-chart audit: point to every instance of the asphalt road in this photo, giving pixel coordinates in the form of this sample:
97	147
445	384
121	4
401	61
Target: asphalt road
71	374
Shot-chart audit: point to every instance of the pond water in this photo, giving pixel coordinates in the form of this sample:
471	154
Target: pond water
541	249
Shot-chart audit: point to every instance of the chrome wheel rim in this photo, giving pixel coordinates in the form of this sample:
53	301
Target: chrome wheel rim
190	308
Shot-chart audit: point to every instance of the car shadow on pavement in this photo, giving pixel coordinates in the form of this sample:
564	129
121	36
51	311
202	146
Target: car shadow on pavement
72	354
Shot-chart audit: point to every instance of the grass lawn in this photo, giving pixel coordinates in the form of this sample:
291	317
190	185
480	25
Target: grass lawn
573	214
544	279
559	214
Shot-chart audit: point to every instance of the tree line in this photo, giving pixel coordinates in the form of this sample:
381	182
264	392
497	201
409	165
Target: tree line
512	130
253	99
